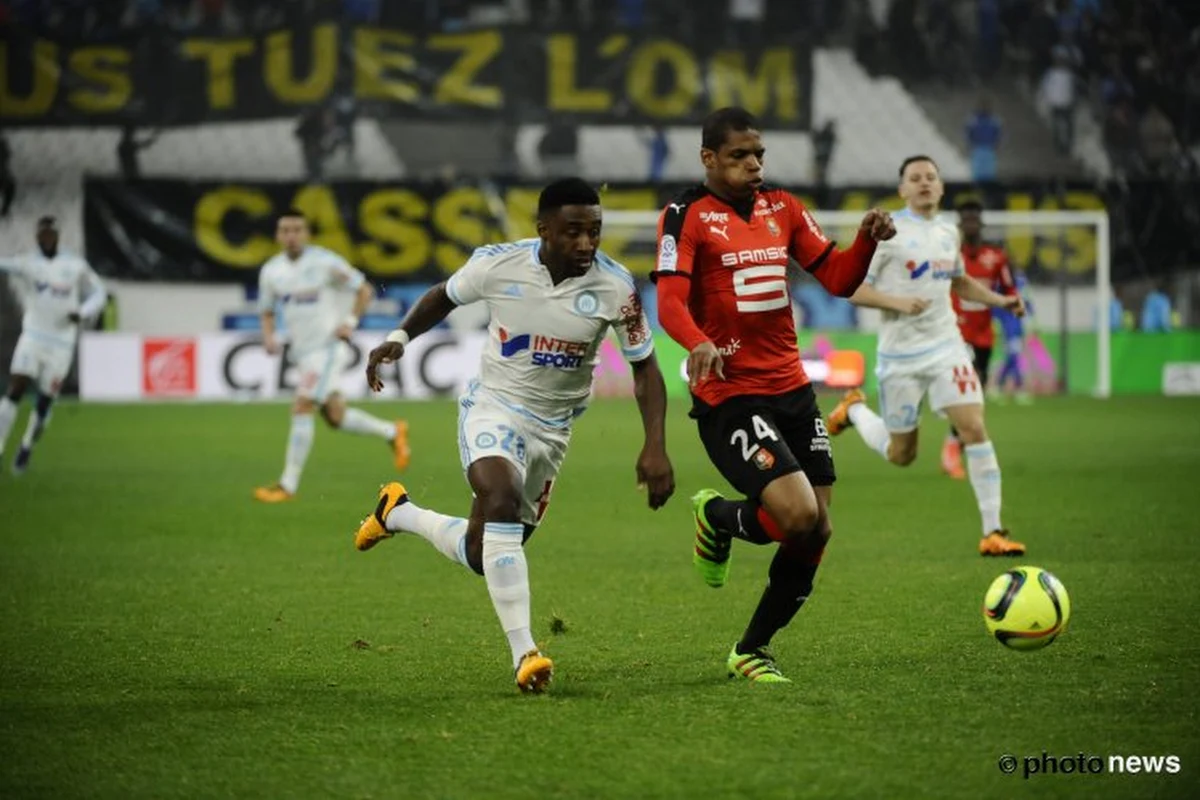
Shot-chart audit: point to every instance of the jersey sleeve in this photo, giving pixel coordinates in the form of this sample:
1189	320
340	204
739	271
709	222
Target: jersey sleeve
469	283
809	245
267	298
341	275
12	265
879	261
677	242
633	330
92	290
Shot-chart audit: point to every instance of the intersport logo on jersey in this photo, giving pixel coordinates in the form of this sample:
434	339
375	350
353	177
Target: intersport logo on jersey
940	269
546	351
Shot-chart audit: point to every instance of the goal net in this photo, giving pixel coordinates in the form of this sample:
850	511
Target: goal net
1064	258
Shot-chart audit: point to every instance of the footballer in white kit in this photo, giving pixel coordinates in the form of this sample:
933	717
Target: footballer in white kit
551	302
58	290
921	353
321	298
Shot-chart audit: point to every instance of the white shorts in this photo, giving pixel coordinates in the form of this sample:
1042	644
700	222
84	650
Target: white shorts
948	376
47	363
319	373
488	427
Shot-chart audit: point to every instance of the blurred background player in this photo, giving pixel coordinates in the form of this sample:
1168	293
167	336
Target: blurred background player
1012	328
921	352
988	264
550	302
322	298
58	291
723	252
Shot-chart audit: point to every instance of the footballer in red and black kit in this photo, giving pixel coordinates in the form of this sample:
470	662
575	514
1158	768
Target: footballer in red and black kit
721	274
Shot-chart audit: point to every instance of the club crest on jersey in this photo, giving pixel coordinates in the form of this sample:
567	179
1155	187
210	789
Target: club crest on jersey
938	269
772	226
586	304
764	459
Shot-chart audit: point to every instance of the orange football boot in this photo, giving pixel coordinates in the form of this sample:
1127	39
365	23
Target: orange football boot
273	494
952	459
997	543
373	529
534	672
839	418
400	447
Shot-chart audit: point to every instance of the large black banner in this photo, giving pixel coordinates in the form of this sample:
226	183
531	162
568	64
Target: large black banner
601	76
176	230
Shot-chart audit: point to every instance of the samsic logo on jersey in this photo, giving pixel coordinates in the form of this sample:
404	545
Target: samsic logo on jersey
547	351
940	269
759	255
302	298
53	289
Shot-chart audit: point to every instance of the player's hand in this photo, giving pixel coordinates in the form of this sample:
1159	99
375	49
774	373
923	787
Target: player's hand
344	332
703	361
1014	303
654	473
271	345
385	353
74	317
910	305
878	223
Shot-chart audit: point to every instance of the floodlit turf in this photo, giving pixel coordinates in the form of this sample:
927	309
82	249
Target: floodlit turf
163	636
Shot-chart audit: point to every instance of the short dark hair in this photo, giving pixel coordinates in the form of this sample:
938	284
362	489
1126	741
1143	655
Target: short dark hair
291	213
719	123
970	204
913	160
47	222
567	192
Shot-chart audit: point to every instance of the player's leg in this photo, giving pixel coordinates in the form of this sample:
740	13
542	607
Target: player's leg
341	417
746	447
18	384
952	463
53	371
299	444
893	432
962	402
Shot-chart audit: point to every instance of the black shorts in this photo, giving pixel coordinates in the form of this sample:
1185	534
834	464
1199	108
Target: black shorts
754	439
983	360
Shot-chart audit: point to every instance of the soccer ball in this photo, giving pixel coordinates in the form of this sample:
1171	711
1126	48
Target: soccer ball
1026	608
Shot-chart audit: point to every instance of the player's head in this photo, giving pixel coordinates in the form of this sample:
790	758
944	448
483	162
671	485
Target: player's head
568	224
47	235
291	232
970	220
921	184
732	152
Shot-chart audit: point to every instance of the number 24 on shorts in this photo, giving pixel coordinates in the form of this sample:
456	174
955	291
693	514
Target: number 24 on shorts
753	451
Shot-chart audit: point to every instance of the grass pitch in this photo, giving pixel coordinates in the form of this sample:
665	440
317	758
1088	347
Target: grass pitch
163	636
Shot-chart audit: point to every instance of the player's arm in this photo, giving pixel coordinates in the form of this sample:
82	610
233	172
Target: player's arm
94	296
968	288
465	286
654	471
347	278
867	296
677	244
841	272
267	300
12	265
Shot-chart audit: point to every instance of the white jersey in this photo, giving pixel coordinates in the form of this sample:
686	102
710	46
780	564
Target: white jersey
544	339
919	261
315	293
52	288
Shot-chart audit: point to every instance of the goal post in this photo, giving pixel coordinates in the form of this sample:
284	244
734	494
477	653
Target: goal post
1038	231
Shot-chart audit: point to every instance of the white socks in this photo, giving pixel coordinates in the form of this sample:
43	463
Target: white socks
299	443
507	575
448	535
871	428
356	420
8	415
984	471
